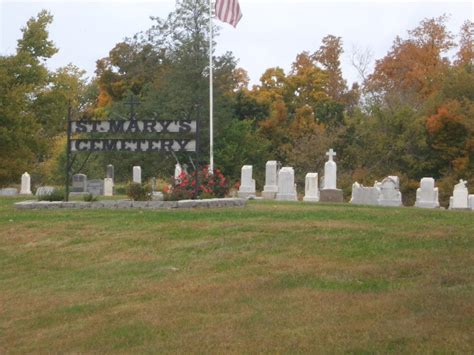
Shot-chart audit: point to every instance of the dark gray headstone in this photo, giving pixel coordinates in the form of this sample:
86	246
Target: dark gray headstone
95	187
79	183
331	195
110	171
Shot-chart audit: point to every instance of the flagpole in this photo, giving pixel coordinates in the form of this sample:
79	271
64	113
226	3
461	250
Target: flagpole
211	96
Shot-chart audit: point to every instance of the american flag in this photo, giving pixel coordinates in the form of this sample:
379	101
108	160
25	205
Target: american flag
228	11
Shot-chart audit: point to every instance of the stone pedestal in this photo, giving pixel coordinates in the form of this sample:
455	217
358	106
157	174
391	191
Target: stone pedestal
271	180
137	174
286	185
328	195
311	191
247	184
25	184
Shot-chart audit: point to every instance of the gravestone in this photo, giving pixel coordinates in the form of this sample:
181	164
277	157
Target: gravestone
108	187
110	172
427	194
25	184
390	194
311	191
330	192
9	191
79	183
286	185
95	187
362	195
460	198
270	188
137	174
178	170
471	202
247	184
44	190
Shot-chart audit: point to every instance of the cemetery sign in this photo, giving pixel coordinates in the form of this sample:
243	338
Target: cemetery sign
184	127
121	136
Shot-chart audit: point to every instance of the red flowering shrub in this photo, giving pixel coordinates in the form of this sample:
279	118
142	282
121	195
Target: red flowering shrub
210	185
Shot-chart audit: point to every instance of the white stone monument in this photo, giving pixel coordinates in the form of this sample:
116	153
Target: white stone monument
137	174
178	170
247	184
286	185
271	180
460	198
471	202
329	191
364	195
311	191
427	194
25	184
390	194
108	187
330	171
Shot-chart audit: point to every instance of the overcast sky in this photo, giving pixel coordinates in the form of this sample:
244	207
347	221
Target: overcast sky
271	32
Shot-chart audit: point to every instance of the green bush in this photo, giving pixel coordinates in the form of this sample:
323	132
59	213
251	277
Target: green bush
90	198
120	189
56	195
139	192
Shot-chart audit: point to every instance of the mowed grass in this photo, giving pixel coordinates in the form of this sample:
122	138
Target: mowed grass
271	277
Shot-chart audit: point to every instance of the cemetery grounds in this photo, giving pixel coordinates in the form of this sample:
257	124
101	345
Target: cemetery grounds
271	277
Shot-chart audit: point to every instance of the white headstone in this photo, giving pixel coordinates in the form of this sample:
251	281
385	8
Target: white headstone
108	187
460	197
330	172
471	202
247	184
390	194
137	174
362	195
44	190
271	180
427	194
9	191
286	185
311	191
25	184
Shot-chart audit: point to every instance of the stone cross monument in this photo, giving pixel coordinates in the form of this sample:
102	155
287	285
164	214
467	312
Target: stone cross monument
330	192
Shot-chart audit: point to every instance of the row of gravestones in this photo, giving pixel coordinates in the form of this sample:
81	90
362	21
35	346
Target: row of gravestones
280	185
80	185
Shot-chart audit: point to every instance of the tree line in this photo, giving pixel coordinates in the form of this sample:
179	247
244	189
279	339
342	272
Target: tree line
412	116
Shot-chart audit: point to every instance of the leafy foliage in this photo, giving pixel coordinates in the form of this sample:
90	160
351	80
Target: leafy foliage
139	192
198	184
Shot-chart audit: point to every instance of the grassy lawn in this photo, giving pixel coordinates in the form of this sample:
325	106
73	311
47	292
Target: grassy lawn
271	277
